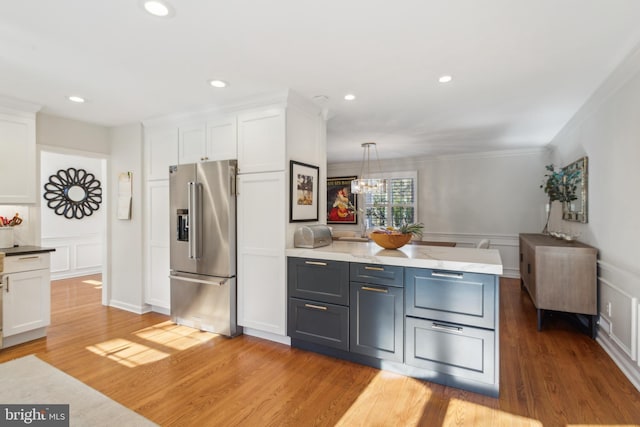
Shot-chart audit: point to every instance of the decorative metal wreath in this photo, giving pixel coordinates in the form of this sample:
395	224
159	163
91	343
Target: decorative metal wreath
73	193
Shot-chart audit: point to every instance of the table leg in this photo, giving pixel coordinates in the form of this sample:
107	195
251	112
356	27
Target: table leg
540	315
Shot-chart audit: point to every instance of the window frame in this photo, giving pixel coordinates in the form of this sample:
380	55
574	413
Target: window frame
413	175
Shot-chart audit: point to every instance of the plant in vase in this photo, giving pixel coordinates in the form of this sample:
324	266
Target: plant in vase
560	186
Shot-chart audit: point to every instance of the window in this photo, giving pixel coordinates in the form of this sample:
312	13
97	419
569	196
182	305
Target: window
398	205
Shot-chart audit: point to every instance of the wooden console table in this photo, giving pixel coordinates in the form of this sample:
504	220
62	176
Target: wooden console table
560	276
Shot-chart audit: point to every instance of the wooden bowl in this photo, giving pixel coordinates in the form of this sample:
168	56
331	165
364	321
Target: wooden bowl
390	241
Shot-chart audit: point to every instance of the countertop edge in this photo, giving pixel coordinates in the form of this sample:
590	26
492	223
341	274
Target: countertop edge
453	259
25	250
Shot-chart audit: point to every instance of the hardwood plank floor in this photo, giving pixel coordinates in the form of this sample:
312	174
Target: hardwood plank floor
176	376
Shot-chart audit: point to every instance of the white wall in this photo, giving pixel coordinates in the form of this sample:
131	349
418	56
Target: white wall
465	198
78	243
71	134
607	130
126	260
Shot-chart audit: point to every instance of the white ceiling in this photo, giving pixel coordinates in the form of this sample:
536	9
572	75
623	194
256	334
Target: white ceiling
521	68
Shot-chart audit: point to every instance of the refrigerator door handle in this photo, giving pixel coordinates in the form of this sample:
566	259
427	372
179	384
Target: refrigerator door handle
194	229
222	281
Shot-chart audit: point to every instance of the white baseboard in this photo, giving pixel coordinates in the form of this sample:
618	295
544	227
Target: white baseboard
162	310
627	366
138	309
267	336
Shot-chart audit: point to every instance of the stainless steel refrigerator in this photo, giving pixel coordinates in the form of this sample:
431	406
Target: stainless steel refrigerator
202	197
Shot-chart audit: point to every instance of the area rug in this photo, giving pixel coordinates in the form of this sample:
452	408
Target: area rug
29	380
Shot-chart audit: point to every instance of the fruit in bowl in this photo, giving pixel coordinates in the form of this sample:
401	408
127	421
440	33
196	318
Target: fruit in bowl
394	238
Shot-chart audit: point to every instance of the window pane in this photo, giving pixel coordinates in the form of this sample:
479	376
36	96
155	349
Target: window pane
402	191
377	215
401	215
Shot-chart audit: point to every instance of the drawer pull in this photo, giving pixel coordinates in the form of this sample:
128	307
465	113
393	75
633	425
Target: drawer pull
27	258
450	275
317	307
374	268
315	263
367	288
448	328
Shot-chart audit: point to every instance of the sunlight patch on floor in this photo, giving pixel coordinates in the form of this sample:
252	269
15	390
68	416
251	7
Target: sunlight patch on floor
127	353
377	401
93	282
464	412
174	336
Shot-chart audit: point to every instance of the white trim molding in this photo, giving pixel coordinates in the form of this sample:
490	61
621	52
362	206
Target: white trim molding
619	324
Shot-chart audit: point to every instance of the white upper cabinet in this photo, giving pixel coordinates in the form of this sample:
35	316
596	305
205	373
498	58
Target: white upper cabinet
214	140
161	150
262	141
192	143
222	137
17	159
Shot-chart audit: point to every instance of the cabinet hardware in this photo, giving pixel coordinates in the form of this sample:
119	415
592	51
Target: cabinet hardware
521	257
374	268
26	258
315	263
317	307
367	288
442	327
451	275
528	268
7	284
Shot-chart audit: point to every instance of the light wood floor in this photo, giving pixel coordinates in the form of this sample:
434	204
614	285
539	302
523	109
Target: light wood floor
176	376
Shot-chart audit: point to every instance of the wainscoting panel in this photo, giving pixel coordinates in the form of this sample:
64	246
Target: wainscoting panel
60	258
88	255
74	255
507	245
619	324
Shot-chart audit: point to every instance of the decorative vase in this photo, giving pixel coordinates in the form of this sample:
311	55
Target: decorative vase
390	241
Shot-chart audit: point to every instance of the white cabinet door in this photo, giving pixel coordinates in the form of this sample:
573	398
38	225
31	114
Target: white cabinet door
261	252
161	151
192	143
17	159
222	138
26	301
261	141
157	291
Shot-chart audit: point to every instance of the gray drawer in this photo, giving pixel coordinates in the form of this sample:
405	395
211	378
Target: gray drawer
463	352
319	323
318	279
464	298
378	274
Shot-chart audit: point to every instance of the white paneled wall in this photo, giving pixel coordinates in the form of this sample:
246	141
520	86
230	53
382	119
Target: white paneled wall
75	255
619	331
78	243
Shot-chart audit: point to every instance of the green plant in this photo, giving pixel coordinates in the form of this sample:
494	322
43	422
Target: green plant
415	229
560	186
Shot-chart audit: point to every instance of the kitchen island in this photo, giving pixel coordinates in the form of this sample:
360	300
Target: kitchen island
429	312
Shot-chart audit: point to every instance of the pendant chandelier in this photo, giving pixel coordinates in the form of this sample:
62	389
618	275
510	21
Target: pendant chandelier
365	184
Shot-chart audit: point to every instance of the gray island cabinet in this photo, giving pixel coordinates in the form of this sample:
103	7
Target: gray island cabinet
425	312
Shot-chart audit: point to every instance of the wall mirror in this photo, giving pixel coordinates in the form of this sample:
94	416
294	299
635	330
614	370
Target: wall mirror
73	193
576	175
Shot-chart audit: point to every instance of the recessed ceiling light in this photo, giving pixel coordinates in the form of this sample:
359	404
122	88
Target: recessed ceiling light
445	79
77	99
218	83
349	97
158	8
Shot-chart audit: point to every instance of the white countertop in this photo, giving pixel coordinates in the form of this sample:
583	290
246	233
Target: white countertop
486	261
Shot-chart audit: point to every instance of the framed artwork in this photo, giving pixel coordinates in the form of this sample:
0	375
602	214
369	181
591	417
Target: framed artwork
342	205
303	194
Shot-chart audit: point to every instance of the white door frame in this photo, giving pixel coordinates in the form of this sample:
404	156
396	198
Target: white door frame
106	288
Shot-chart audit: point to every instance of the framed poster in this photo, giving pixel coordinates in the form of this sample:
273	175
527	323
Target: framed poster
342	205
303	194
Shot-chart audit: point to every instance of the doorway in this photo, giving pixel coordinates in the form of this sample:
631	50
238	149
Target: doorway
77	226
